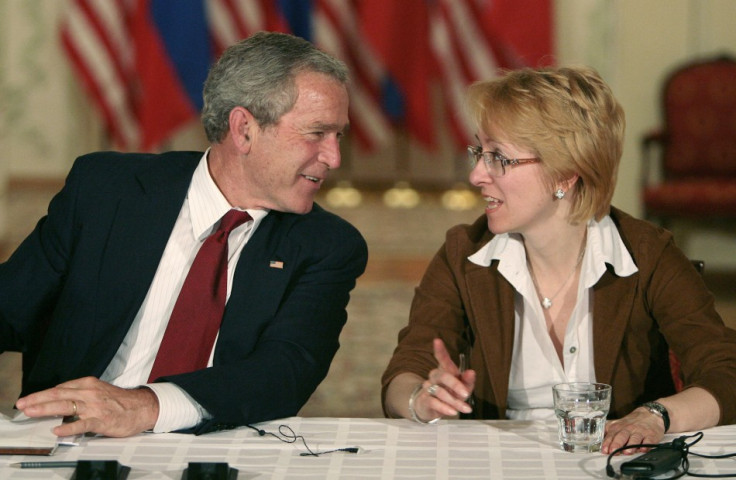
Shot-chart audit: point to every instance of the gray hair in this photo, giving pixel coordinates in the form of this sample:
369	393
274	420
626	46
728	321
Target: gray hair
259	73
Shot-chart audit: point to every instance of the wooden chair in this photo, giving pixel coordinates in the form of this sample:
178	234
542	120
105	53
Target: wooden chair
697	145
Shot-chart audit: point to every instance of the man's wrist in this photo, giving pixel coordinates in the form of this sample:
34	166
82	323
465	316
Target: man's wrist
661	411
152	404
177	410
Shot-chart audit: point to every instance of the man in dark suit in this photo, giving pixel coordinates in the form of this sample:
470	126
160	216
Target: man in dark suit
88	295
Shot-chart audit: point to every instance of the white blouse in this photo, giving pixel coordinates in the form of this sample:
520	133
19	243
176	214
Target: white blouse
535	367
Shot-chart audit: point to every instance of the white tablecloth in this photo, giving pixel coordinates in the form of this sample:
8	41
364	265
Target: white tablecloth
389	449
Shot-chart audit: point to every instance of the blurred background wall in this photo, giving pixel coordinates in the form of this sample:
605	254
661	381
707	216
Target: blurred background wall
47	119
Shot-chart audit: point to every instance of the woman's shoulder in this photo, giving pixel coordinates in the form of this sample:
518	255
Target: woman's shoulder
637	231
466	237
650	245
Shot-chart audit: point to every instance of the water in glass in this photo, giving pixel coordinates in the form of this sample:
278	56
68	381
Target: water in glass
581	410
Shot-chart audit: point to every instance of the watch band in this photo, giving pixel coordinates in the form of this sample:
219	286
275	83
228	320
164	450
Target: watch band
659	410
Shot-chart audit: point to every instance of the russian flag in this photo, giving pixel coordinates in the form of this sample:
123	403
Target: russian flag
399	32
144	62
173	55
333	26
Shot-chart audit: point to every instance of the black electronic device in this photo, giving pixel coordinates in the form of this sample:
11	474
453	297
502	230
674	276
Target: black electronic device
98	469
655	462
209	471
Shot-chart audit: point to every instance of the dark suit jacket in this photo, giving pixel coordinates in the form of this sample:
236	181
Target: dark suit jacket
635	320
80	277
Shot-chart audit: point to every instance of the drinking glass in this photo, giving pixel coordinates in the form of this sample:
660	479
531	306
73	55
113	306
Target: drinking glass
581	409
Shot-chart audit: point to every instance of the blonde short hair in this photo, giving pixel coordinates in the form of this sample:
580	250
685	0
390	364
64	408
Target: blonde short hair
569	118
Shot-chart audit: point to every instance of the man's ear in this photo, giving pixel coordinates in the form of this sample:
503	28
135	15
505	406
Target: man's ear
242	127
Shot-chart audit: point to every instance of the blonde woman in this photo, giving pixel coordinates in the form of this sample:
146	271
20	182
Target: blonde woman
552	284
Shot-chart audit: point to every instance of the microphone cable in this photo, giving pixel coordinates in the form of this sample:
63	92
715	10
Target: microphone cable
287	435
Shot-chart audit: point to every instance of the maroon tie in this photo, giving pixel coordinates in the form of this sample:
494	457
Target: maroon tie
198	311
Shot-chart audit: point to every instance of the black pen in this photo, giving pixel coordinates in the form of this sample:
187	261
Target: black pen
44	465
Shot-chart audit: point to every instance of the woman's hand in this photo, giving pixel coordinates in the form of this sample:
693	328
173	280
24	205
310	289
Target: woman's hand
446	391
639	427
691	409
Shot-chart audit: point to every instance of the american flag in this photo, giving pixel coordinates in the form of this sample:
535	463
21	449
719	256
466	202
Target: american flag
117	53
143	61
95	35
107	41
334	29
473	39
232	20
463	56
398	33
337	32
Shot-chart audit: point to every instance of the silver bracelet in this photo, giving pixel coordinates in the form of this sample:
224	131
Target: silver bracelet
414	415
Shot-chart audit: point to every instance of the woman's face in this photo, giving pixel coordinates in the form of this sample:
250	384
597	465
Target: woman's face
520	201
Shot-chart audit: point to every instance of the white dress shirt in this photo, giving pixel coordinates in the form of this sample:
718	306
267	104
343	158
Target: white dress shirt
203	207
535	366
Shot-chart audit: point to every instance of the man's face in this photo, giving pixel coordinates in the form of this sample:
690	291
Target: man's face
289	161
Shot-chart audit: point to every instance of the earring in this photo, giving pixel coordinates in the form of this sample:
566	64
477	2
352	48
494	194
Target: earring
560	194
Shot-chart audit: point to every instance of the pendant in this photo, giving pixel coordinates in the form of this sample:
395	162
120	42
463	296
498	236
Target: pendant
546	303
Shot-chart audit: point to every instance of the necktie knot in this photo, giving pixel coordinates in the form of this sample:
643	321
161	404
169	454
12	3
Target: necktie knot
232	220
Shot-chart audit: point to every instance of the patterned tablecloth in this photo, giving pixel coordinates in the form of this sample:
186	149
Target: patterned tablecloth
396	449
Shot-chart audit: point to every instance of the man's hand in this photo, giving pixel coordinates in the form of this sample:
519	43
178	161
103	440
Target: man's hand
98	406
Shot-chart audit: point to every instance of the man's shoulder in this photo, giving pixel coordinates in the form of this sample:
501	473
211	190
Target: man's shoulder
109	160
109	172
318	224
317	218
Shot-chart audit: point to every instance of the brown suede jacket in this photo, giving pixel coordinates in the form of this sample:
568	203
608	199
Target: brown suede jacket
637	319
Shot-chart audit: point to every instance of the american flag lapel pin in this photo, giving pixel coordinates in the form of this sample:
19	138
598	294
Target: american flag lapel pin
276	264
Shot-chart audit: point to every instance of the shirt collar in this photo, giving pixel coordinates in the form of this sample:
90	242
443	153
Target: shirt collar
207	204
604	246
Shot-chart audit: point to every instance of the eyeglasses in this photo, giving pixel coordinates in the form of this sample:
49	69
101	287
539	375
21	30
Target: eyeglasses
495	161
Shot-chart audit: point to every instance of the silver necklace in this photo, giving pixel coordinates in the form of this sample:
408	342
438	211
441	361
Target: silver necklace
547	301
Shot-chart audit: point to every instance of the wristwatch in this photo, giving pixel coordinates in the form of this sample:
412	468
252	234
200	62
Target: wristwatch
659	410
